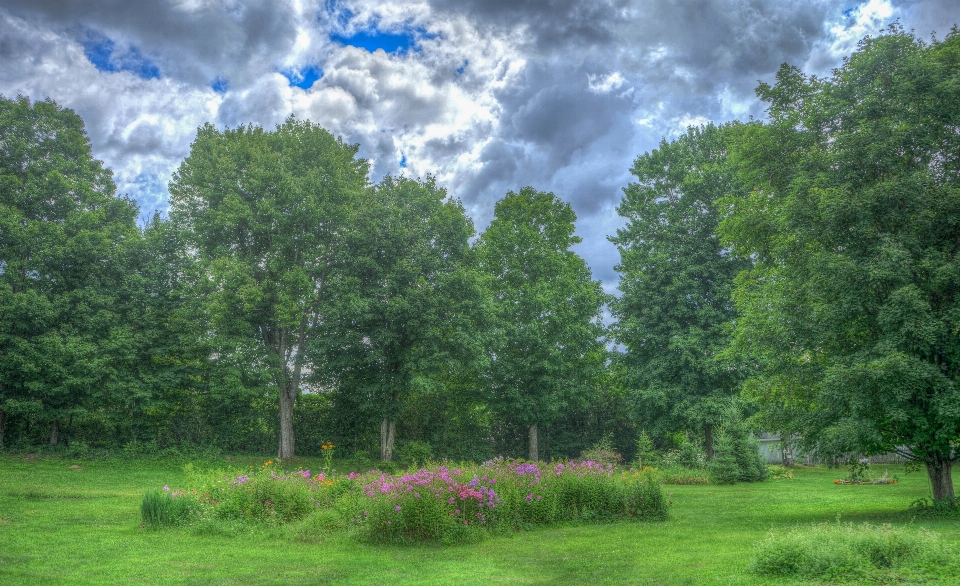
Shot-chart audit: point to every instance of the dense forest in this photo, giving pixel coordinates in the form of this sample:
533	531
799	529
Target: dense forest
801	271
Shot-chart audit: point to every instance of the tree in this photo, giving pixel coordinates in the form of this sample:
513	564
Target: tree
853	218
268	215
63	238
547	308
676	280
409	318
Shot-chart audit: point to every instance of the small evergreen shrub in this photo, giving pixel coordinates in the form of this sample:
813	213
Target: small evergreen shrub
646	454
724	467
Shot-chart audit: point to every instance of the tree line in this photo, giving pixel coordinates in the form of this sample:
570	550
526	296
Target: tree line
802	268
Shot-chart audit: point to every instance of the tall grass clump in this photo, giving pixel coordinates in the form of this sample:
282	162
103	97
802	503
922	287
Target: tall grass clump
160	508
847	551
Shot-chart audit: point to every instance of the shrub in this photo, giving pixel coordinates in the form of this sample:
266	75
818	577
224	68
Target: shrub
846	551
724	467
602	452
416	452
646	454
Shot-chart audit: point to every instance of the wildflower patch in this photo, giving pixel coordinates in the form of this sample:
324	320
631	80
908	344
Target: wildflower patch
436	504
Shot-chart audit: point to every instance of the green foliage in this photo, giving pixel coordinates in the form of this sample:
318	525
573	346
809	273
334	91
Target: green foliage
852	218
416	452
549	350
736	454
940	508
676	279
268	214
724	467
65	239
646	454
847	551
160	508
408	322
603	452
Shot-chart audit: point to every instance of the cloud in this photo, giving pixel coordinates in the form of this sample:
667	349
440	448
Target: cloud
487	95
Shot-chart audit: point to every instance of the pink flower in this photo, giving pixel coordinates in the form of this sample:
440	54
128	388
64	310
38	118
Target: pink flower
166	488
397	508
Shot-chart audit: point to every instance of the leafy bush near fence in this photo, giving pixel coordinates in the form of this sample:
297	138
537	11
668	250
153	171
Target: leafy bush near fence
436	504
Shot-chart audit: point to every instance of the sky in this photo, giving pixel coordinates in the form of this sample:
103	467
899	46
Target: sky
488	96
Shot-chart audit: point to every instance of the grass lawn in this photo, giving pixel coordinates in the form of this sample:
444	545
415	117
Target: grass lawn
64	526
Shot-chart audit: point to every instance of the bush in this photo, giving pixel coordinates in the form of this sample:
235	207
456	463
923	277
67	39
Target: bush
724	467
846	551
602	452
646	454
416	452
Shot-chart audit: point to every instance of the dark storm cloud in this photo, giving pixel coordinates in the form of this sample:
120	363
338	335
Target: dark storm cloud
552	24
554	108
697	46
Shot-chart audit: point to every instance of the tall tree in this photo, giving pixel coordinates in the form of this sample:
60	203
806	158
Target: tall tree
548	309
853	218
676	280
410	318
63	236
267	213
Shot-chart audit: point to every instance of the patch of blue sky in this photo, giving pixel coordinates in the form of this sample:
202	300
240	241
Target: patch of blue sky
848	12
391	42
220	85
101	51
403	161
462	68
303	78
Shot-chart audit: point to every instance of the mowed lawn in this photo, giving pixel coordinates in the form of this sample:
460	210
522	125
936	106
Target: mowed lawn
64	526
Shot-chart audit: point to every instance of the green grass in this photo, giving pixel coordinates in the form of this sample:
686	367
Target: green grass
63	526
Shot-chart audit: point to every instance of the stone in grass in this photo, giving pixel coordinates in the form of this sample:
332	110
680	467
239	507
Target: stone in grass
75	467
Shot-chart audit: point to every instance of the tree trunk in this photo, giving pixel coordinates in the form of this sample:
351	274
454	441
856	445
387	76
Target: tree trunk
54	432
941	476
534	448
286	450
387	429
708	440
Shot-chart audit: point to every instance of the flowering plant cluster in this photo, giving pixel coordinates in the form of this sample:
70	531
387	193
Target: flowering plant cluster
440	503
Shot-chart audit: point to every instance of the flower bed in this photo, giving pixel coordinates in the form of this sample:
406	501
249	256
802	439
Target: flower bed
439	503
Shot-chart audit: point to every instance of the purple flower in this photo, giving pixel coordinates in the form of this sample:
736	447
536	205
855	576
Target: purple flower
451	500
166	488
397	508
